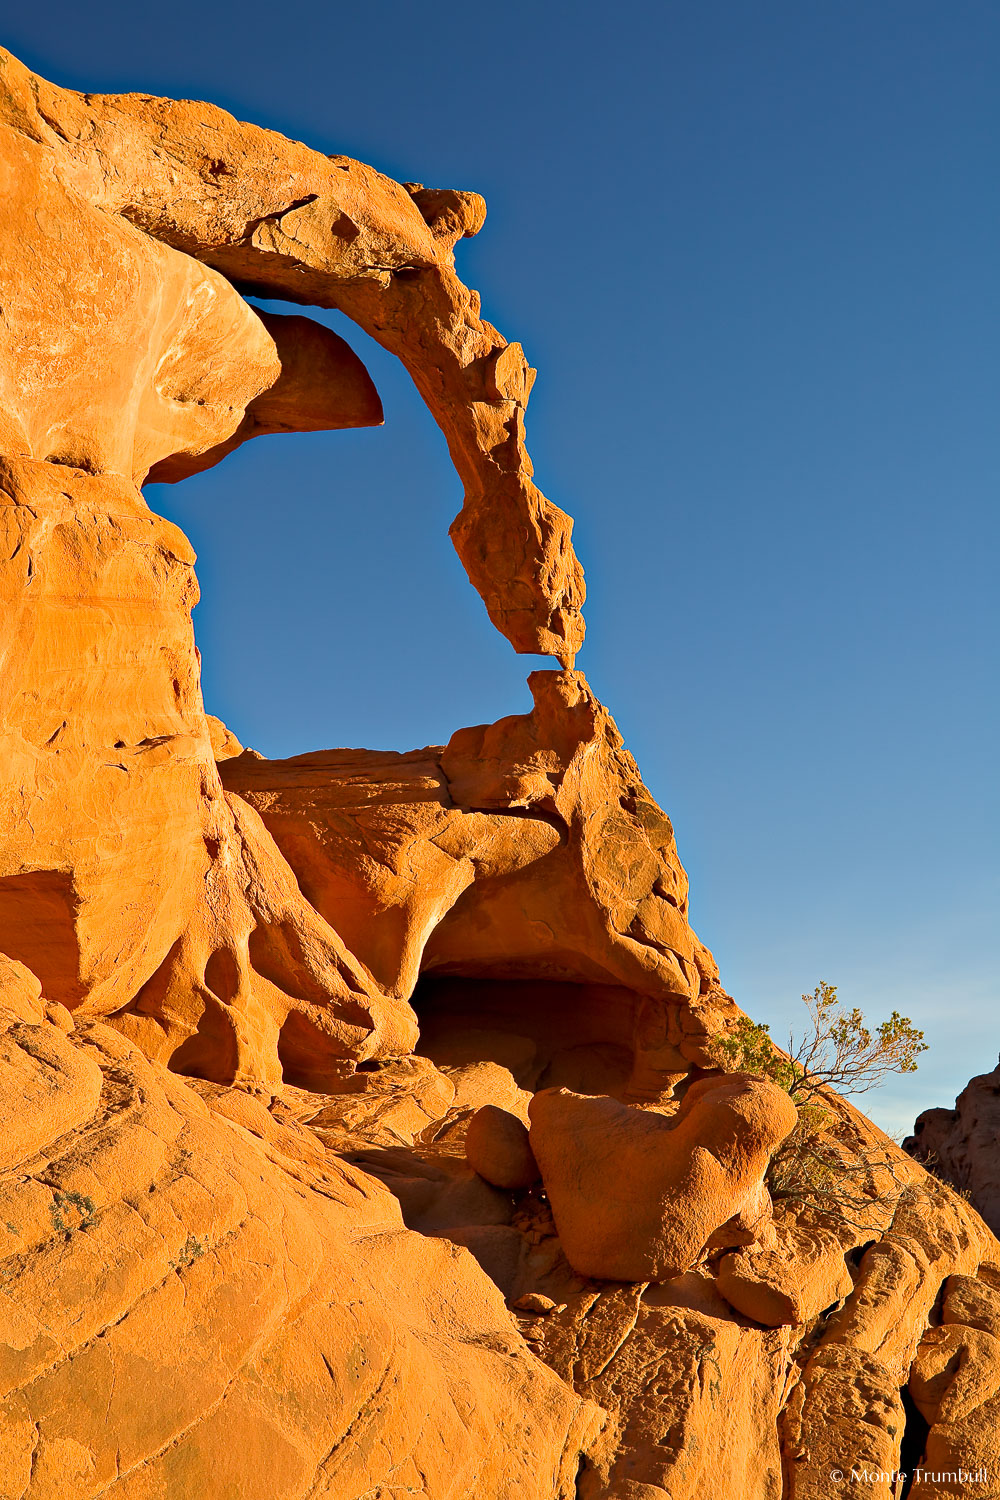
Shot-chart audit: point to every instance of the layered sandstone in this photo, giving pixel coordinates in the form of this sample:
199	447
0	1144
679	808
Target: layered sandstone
364	1132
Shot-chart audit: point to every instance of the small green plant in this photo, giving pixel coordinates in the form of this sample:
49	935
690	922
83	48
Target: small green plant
70	1211
824	1165
189	1252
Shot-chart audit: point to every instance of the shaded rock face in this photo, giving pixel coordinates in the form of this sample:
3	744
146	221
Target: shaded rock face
960	1144
362	1129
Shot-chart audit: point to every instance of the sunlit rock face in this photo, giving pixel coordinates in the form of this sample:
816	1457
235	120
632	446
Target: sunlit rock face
364	1132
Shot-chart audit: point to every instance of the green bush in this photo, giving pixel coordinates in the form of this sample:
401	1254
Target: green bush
839	1051
823	1166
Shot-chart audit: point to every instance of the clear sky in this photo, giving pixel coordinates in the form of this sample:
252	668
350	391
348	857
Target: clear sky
752	248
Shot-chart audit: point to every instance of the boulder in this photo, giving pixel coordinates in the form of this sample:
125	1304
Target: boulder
498	1148
637	1194
803	1275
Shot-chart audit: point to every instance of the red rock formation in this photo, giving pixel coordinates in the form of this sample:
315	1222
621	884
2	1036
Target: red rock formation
205	1302
279	219
272	1226
637	1196
960	1144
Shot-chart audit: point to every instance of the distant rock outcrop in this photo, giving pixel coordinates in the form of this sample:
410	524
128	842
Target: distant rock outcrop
362	1126
962	1145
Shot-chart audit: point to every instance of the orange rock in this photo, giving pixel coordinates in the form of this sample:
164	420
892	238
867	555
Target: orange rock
609	904
845	1407
972	1302
279	218
109	767
193	1307
529	847
637	1195
117	351
392	1104
20	993
49	1089
113	788
379	848
497	1147
166	376
956	1370
802	1276
690	1390
954	1382
257	987
844	1413
279	1274
488	1083
224	742
321	385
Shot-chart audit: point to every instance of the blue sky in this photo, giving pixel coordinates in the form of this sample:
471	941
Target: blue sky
752	249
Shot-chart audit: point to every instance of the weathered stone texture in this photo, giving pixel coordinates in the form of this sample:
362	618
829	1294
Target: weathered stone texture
273	1225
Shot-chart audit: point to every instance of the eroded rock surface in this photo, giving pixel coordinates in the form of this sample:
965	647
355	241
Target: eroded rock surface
642	1196
282	220
273	1226
199	1300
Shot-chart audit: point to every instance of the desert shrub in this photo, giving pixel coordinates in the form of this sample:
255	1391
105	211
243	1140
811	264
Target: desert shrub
838	1051
825	1166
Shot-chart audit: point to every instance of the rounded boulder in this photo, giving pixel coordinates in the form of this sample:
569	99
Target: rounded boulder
497	1147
